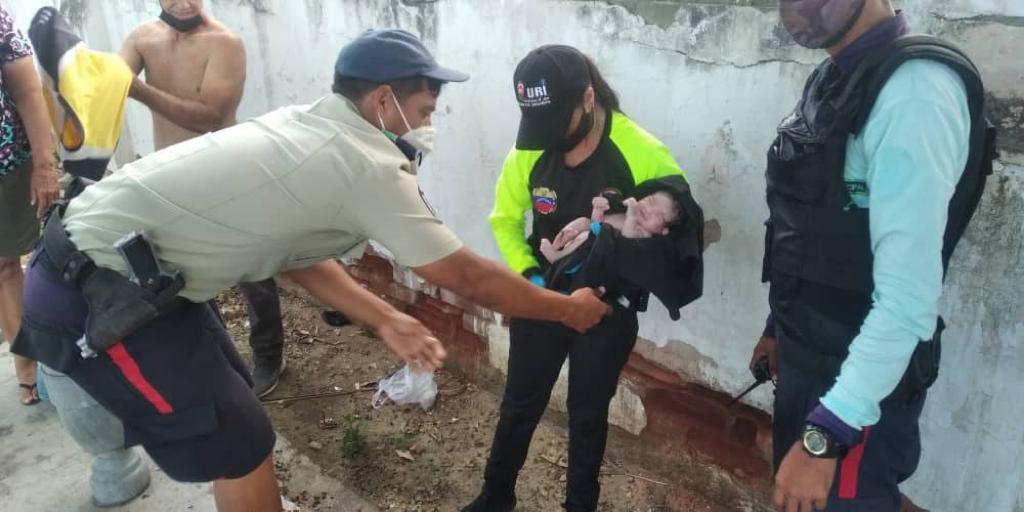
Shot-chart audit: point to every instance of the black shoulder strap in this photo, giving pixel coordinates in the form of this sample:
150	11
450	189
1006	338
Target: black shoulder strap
866	83
871	75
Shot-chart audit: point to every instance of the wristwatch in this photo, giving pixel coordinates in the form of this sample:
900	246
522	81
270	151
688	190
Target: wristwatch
820	444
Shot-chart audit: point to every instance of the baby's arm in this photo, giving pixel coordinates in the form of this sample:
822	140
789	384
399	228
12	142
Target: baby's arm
567	240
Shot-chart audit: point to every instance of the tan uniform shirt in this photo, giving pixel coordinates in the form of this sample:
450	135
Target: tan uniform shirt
285	190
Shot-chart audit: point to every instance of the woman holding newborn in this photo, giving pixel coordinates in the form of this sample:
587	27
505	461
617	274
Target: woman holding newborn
573	145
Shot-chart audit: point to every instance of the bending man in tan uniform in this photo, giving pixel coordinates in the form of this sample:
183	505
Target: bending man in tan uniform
289	191
195	72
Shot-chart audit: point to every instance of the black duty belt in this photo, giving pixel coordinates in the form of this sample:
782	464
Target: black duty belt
63	259
117	306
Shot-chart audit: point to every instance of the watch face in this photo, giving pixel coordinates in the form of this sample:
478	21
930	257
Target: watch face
815	442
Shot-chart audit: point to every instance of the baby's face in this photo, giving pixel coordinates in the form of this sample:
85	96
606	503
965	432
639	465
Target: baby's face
655	212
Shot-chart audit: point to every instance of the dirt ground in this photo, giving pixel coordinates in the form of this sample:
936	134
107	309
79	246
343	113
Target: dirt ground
405	459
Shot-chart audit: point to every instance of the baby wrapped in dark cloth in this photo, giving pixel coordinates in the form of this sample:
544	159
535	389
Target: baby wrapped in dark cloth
650	242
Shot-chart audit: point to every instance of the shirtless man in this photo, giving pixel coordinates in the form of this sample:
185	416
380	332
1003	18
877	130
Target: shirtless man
195	71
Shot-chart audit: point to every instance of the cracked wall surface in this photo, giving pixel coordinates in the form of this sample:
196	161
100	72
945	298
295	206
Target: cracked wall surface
712	79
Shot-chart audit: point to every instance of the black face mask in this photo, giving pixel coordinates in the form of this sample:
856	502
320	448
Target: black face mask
181	25
573	139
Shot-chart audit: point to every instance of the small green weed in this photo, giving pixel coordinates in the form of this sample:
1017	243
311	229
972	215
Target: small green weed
353	440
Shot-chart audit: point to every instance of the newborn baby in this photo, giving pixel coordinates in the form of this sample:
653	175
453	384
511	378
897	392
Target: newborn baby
644	218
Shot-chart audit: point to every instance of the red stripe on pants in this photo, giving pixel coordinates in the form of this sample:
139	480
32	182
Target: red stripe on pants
850	470
130	370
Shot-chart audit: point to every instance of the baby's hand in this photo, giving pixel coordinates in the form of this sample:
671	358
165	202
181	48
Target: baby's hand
631	225
601	206
548	250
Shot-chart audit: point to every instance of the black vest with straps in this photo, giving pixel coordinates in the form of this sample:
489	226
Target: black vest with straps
818	254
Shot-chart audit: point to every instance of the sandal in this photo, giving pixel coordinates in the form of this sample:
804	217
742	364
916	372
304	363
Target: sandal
33	398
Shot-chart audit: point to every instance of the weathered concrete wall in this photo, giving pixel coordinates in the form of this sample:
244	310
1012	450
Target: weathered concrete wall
711	78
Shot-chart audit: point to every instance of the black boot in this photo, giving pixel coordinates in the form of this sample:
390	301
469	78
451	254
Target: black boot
265	375
487	502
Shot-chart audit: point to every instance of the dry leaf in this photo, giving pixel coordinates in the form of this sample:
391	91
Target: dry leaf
405	455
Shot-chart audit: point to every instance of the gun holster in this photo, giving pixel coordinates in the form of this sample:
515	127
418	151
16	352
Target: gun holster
117	306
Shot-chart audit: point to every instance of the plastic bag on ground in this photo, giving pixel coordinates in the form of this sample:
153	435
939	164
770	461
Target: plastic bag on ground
407	387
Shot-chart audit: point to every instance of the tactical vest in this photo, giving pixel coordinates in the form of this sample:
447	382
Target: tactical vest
818	254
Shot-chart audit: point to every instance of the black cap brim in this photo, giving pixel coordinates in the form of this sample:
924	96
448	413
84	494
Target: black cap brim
542	129
446	75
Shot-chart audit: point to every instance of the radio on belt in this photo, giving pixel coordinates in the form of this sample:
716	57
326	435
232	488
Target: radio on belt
140	257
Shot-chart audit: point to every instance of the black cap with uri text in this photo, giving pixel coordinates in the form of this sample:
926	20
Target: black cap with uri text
549	83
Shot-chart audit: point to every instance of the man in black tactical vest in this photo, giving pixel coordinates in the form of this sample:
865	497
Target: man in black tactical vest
871	181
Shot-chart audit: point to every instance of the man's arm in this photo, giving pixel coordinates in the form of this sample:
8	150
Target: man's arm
130	52
494	286
219	93
405	336
386	206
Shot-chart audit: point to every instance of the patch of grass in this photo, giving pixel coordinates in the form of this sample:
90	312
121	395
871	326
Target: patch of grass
353	440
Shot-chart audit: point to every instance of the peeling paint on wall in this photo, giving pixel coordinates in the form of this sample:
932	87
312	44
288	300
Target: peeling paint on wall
680	357
627	411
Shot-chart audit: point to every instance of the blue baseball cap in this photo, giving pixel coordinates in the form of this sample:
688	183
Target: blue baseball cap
384	55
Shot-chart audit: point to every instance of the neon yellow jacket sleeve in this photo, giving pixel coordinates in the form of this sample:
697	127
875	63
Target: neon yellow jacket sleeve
511	202
647	157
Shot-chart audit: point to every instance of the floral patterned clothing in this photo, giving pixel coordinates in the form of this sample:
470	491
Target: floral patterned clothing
14	146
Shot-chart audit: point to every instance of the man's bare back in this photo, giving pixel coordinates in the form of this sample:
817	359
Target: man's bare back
193	81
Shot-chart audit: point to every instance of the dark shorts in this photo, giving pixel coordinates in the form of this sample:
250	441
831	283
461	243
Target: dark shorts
868	478
177	383
19	227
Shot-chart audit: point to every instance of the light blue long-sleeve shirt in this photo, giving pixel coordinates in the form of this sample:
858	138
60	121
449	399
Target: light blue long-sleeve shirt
904	167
